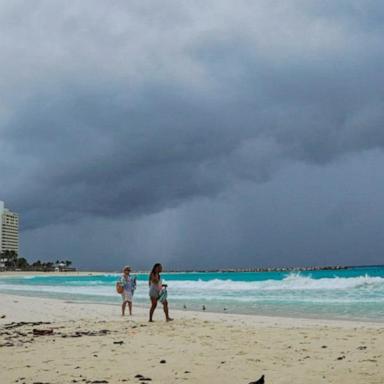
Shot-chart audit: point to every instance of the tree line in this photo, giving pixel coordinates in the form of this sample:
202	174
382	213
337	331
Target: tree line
11	262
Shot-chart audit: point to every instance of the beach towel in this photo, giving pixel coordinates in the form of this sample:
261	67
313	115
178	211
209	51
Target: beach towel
163	295
133	284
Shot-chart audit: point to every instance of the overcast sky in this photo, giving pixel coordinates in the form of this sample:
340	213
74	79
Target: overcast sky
200	134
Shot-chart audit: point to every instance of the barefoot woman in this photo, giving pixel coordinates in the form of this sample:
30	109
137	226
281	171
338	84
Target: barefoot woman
154	291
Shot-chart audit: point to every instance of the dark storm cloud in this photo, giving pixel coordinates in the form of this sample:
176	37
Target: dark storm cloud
122	109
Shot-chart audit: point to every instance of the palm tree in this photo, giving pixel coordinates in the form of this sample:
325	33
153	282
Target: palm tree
22	263
10	258
37	264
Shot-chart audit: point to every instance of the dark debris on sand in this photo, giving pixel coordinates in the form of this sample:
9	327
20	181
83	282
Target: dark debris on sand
260	381
102	332
23	323
99	382
40	382
14	336
42	332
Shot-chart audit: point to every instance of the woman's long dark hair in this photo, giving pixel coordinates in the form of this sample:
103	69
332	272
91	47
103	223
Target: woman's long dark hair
153	271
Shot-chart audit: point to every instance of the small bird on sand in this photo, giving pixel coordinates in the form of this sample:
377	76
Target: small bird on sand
260	381
203	307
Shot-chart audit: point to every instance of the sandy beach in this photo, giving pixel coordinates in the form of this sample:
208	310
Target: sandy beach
92	343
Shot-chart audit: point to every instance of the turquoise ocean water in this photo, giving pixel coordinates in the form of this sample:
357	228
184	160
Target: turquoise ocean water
356	293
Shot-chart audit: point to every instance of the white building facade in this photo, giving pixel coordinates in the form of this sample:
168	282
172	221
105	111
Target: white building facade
9	230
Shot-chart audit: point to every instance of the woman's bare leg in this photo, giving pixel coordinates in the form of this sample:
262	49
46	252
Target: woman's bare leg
123	308
166	311
152	309
130	307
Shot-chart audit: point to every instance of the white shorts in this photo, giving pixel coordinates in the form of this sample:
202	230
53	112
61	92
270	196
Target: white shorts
126	296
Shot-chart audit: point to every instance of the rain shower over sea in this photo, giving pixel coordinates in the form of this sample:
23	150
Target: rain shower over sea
350	294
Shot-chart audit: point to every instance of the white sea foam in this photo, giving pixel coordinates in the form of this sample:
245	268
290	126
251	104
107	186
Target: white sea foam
291	282
31	277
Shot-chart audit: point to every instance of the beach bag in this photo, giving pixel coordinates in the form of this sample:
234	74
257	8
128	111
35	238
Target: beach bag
119	288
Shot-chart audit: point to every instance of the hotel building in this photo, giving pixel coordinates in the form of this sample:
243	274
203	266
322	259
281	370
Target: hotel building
9	230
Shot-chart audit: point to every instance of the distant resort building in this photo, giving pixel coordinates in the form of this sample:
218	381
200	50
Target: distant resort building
9	230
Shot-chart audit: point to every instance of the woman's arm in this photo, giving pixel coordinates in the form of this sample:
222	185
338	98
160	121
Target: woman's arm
155	278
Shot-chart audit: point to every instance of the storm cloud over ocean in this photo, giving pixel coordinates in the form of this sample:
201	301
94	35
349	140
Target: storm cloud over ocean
201	134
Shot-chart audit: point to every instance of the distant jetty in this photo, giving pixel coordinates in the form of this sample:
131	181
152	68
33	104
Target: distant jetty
269	269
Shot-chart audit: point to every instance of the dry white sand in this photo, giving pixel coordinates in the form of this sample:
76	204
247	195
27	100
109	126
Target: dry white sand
92	343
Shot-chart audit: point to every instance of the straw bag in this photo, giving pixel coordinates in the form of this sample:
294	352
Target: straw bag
119	288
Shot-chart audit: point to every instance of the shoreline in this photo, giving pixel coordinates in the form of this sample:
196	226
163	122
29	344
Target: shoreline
105	309
289	316
53	273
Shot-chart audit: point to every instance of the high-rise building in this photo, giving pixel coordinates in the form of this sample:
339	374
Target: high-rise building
9	230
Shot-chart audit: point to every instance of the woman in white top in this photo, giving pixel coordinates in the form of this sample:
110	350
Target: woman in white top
129	284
